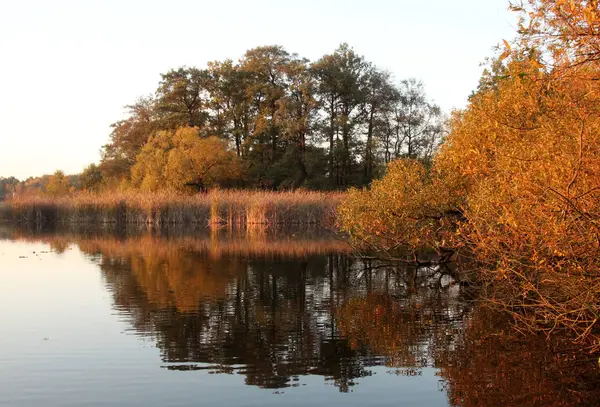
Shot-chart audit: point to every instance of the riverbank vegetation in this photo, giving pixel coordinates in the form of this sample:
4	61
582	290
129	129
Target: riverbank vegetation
517	182
217	208
272	120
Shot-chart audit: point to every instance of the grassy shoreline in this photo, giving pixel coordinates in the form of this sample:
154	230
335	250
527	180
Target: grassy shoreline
231	208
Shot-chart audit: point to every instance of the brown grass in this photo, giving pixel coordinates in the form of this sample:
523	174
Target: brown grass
217	208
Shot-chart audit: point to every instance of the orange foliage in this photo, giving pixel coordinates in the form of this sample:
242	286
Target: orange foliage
521	166
180	159
408	207
566	31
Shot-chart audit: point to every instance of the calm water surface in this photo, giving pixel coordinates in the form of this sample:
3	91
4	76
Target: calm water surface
98	319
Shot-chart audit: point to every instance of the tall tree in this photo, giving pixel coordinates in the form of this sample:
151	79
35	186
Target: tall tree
418	123
267	68
127	139
182	96
342	77
296	114
281	114
230	102
380	99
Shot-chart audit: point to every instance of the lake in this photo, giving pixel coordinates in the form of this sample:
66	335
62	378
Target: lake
257	318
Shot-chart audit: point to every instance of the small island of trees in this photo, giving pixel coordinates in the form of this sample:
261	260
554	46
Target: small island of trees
273	120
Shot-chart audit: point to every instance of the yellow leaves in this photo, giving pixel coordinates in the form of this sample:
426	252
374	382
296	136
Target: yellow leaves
537	64
181	160
504	152
506	52
58	184
402	208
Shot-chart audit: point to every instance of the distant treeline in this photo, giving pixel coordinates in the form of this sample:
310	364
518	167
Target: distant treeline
271	120
57	184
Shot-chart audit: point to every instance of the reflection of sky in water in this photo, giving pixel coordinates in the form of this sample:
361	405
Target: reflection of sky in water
64	342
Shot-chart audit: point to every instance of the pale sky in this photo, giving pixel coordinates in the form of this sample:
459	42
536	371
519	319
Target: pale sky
67	68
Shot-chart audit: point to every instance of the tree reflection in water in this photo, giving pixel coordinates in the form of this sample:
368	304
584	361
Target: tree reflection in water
275	317
493	365
274	310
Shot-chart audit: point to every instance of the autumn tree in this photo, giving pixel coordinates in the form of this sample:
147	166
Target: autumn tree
565	33
58	184
516	184
91	178
290	122
410	208
181	160
127	139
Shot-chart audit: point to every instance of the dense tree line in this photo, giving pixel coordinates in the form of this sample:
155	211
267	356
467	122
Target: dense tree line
284	122
7	187
56	184
271	120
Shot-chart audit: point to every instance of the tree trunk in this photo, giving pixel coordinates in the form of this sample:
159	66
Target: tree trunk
368	170
331	134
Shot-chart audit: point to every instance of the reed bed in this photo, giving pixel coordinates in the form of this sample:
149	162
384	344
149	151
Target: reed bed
5	212
219	208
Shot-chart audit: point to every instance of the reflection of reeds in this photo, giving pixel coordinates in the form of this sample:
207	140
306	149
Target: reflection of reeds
214	245
234	208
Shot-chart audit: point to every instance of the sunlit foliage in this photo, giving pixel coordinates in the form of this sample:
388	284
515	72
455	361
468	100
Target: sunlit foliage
58	184
91	178
565	32
181	159
127	139
291	122
519	173
410	206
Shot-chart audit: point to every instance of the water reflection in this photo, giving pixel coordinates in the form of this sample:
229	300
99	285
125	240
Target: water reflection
275	319
273	308
276	308
493	365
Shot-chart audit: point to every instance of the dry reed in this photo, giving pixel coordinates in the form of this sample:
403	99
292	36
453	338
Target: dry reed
217	208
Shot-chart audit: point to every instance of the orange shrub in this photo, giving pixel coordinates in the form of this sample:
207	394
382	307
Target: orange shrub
521	165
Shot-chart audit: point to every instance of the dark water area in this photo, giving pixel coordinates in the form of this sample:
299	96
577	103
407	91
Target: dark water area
194	317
